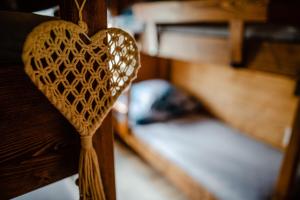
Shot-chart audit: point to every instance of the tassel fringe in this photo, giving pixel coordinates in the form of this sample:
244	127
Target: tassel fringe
90	182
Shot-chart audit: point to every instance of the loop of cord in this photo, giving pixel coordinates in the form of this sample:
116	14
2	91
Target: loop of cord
81	23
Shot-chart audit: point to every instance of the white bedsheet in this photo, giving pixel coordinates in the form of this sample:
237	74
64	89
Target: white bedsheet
229	164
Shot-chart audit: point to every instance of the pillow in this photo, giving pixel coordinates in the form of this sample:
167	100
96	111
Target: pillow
158	100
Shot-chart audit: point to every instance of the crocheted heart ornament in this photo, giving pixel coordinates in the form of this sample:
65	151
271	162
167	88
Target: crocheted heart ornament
81	76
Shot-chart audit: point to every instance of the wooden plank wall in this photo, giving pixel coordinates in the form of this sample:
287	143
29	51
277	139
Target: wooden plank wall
268	56
257	103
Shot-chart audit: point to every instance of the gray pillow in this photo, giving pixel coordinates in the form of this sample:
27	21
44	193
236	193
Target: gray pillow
159	100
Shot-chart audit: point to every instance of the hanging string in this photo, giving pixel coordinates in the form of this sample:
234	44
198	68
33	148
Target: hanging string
81	23
90	180
80	8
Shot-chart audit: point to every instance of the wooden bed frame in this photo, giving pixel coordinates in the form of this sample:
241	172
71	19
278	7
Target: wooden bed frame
38	146
205	11
282	81
186	183
230	50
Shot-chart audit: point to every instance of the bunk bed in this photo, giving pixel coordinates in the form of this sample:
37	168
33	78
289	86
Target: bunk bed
252	106
223	160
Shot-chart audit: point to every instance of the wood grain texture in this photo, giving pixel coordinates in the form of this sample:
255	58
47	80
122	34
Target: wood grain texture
259	104
38	146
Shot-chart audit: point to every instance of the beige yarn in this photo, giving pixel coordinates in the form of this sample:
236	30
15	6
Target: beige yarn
82	77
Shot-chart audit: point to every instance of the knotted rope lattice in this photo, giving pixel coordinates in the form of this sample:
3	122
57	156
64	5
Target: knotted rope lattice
82	77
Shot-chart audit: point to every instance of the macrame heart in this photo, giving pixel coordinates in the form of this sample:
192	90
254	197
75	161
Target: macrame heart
81	76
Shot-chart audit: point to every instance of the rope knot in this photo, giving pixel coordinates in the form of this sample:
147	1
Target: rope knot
83	25
87	141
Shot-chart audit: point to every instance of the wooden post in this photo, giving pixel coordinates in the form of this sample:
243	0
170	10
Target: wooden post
95	16
290	161
150	42
236	41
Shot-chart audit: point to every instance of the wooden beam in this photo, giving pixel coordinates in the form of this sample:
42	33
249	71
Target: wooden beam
38	146
199	11
289	167
150	43
236	41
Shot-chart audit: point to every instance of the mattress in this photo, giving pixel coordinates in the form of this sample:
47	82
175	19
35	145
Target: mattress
227	163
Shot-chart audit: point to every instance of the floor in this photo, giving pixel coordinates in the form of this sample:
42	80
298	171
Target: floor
135	180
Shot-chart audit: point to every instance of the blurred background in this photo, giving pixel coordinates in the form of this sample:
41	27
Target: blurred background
214	111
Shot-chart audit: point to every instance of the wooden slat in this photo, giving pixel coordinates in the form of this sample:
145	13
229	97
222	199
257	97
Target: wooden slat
38	146
259	104
199	11
189	47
